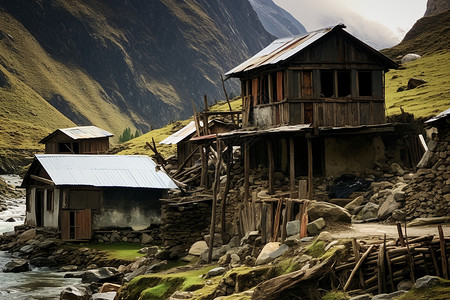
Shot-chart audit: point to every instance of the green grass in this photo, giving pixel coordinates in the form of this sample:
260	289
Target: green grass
159	286
120	250
138	145
428	99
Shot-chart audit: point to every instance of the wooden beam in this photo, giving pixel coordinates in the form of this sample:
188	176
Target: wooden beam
41	179
246	171
310	168
227	187
443	254
214	204
271	165
205	116
358	265
292	165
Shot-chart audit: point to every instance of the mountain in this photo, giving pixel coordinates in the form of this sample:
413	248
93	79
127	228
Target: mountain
276	20
429	37
435	7
115	63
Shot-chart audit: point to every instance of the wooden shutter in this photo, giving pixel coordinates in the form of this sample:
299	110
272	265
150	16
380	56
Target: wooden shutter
65	224
307	88
279	86
83	224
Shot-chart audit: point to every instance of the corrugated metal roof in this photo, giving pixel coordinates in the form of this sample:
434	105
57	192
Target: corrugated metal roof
181	134
280	50
444	114
85	132
80	132
283	49
135	171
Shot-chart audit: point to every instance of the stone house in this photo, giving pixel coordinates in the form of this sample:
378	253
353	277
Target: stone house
78	194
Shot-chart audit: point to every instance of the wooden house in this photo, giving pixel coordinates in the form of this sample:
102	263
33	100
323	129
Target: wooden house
77	140
324	78
81	193
185	147
314	105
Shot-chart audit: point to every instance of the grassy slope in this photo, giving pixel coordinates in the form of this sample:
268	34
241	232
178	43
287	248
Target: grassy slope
138	145
428	99
429	37
34	76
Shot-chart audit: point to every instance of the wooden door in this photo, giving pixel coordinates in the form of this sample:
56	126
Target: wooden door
307	89
76	224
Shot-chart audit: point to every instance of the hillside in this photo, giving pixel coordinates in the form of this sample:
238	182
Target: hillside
429	38
114	64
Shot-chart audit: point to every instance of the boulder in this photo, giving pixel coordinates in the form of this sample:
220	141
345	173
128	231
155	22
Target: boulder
388	206
145	239
105	274
388	296
198	248
427	282
104	296
10	220
415	82
16	266
27	249
69	268
397	169
328	211
263	256
280	251
404	285
76	292
115	237
109	287
234	259
315	226
325	236
354	204
369	212
26	236
215	272
181	295
362	297
43	262
152	250
293	228
410	57
217	239
398	215
138	272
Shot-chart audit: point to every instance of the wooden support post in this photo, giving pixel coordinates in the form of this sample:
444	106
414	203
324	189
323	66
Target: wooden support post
227	186
228	101
391	276
246	172
410	259
205	116
214	204
310	168
381	270
304	219
400	235
271	165
276	224
435	263
264	238
287	212
357	257
358	265
292	165
443	254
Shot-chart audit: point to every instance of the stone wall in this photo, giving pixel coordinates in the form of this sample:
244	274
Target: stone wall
428	193
185	224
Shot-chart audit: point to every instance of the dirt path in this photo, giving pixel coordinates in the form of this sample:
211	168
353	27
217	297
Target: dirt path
372	230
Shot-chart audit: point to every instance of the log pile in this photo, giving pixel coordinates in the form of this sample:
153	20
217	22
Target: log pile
379	267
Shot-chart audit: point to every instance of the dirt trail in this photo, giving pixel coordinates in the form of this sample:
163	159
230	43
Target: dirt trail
372	230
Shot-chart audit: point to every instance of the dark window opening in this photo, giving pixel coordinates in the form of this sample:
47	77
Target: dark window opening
69	148
264	90
28	200
344	83
365	83
273	79
326	84
308	113
50	200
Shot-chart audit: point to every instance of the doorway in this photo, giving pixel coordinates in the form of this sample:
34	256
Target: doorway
39	209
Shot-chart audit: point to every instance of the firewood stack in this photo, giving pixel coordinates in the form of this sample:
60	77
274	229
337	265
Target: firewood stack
379	267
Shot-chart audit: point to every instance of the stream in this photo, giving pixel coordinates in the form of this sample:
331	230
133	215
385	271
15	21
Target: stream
39	283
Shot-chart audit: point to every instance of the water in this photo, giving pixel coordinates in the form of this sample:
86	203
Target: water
35	284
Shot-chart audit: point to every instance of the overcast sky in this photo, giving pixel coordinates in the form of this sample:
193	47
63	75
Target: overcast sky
380	23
